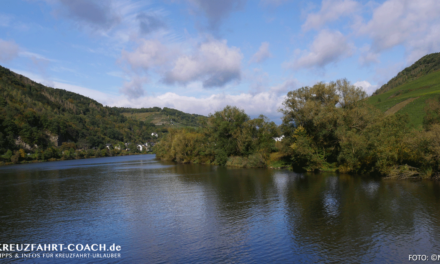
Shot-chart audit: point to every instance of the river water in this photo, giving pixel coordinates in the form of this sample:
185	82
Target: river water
166	213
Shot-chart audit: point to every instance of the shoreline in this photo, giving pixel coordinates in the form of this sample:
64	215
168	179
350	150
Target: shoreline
3	164
434	177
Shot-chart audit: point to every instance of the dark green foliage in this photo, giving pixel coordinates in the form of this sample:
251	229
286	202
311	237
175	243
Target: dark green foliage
36	113
7	156
224	134
221	157
357	137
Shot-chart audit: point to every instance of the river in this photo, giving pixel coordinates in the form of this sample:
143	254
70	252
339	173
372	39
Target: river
160	212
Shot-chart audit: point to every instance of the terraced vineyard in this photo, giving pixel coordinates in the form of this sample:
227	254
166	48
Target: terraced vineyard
409	97
156	118
166	117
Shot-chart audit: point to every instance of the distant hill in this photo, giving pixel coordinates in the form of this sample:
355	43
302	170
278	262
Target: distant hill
167	117
409	90
35	116
427	64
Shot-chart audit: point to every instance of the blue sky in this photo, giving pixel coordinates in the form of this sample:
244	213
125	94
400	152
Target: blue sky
201	55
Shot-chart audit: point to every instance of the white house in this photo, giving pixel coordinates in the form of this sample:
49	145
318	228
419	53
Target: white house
140	147
154	134
278	138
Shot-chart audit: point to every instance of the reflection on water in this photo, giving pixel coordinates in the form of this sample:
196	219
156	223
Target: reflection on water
162	212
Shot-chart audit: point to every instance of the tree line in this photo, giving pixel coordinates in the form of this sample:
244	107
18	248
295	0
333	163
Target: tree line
326	127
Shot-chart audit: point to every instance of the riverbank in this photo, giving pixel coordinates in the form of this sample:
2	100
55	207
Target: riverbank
2	163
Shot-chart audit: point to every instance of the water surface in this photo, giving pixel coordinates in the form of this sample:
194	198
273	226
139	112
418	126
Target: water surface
166	213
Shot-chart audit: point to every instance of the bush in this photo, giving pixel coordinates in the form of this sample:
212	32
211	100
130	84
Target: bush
256	161
7	155
104	152
252	161
221	158
15	158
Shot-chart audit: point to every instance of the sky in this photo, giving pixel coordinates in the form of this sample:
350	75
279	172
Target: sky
198	56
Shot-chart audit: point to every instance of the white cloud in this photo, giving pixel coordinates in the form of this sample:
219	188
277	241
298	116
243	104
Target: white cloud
149	54
262	103
413	24
266	103
8	50
331	10
327	47
420	47
368	87
213	63
262	54
285	87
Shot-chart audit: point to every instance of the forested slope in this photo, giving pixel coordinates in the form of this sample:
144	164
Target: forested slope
36	118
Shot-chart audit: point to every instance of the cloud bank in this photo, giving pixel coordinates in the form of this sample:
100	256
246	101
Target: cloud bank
327	47
330	11
213	63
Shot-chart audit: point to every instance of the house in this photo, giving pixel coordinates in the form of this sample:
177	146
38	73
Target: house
140	147
108	146
154	134
278	138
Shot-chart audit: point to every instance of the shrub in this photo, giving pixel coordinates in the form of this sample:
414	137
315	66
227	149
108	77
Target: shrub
16	157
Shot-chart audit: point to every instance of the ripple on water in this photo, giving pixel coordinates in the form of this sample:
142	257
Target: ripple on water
161	212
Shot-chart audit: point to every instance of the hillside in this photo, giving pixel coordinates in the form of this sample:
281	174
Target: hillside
427	64
34	117
165	117
409	90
